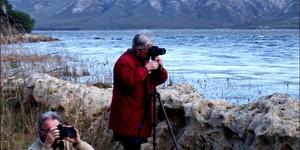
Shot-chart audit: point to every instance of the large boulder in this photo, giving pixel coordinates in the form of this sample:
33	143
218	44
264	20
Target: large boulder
271	122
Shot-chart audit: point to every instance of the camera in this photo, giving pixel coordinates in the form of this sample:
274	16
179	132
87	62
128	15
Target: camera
66	131
155	51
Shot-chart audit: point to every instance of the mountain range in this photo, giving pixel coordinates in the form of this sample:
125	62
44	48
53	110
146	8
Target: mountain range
136	14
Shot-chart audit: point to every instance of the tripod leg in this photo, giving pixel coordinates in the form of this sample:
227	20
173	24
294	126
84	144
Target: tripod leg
154	124
157	97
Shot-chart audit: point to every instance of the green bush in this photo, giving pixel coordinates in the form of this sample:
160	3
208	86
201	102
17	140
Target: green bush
17	19
22	21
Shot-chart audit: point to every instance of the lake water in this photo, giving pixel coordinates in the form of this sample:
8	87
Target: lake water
236	65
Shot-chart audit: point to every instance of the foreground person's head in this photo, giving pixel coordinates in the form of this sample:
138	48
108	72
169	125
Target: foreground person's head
47	121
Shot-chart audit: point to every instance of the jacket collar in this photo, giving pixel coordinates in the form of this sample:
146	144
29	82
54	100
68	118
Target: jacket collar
142	61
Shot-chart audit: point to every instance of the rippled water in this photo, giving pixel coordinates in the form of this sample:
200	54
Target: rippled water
238	65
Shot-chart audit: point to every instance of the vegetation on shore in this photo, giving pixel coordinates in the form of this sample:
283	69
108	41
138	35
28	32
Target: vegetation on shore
18	119
11	19
17	130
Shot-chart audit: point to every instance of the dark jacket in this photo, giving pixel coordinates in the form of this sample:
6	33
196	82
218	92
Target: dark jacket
132	100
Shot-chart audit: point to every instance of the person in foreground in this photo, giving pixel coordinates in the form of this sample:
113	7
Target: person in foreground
52	135
135	79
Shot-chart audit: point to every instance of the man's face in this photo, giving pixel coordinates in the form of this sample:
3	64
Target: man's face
143	53
48	124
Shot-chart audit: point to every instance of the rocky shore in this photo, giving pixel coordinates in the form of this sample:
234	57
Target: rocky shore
26	38
271	122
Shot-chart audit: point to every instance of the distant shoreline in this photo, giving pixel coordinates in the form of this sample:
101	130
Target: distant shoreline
166	29
125	28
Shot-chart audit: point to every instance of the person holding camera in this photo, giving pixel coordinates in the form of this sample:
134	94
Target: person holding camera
52	135
135	80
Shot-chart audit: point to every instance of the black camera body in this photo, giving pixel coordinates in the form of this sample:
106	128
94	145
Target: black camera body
155	51
66	131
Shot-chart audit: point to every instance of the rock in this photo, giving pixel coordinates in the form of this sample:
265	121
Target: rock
32	38
99	38
271	122
257	125
27	38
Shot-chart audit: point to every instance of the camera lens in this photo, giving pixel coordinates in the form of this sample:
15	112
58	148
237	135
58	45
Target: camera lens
155	51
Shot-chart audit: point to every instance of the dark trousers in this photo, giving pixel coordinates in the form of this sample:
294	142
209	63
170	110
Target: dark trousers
128	142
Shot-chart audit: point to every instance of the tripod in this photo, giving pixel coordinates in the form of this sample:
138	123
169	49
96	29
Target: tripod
157	98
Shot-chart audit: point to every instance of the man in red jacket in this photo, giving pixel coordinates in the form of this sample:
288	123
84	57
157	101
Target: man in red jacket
135	79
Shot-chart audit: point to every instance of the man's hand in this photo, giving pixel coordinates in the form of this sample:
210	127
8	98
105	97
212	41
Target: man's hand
154	64
52	134
74	140
159	60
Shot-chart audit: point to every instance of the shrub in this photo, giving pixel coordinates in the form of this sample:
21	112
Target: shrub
17	19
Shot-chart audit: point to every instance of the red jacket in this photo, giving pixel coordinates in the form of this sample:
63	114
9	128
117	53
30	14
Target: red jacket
133	86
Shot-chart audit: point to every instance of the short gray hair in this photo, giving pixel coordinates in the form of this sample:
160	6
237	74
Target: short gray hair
142	40
45	116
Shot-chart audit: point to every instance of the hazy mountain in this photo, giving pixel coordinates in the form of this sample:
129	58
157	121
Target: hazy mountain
111	14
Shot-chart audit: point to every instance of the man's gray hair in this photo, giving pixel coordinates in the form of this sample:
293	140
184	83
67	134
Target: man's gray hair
142	40
45	116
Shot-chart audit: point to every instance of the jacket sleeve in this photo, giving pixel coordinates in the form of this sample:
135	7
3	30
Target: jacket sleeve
159	76
130	75
38	146
83	146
